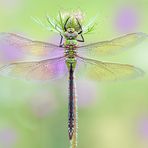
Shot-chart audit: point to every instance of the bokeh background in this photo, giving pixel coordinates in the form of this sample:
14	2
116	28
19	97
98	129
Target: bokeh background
111	115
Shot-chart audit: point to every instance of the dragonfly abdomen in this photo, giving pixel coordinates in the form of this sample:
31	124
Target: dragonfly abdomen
71	116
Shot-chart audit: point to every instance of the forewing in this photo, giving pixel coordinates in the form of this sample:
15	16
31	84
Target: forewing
115	45
38	70
14	47
104	71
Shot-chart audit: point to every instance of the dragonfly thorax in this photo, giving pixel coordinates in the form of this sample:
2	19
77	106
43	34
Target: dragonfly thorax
70	48
70	43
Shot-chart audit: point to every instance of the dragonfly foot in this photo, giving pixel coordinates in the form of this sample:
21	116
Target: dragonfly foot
61	45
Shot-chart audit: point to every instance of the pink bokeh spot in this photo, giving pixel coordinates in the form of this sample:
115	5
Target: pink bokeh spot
127	19
11	5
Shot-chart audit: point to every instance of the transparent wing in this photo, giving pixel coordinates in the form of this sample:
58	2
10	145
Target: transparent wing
38	70
104	71
115	45
17	47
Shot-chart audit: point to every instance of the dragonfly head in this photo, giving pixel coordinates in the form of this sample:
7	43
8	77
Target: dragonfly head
71	34
70	30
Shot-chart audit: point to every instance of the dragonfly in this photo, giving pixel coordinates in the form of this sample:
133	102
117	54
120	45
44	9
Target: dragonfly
54	61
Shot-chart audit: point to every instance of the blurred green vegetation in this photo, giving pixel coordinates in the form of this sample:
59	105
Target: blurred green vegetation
35	115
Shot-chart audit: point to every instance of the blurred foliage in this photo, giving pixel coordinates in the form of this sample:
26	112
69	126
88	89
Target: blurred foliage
35	115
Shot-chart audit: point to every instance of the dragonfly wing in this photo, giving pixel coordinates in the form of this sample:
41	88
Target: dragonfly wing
38	70
115	45
104	71
15	47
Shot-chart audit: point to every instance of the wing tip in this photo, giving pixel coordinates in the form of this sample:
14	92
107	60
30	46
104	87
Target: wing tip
142	35
139	72
4	70
5	33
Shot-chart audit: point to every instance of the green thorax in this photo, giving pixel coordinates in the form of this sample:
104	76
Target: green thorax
70	43
70	52
70	48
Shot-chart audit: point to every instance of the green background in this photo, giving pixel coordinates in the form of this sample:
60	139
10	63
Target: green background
111	115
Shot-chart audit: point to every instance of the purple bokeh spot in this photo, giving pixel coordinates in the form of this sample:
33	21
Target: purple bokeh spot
9	53
127	19
87	93
56	41
58	67
8	137
143	127
43	104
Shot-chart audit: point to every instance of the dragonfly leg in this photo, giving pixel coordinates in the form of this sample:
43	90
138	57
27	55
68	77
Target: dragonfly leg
61	40
80	27
65	28
82	39
80	32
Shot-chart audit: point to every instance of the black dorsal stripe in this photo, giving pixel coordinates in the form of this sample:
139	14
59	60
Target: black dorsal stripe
71	103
